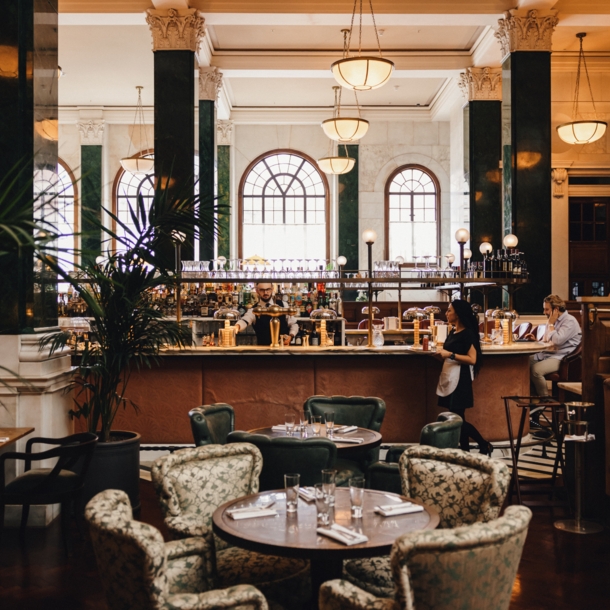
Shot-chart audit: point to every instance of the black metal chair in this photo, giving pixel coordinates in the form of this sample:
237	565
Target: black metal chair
211	424
61	484
283	455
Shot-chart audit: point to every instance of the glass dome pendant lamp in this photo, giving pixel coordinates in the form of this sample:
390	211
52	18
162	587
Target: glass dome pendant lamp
138	165
344	129
334	164
361	72
582	131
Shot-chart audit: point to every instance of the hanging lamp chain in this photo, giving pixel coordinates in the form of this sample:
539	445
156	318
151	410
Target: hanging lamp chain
375	28
347	34
582	60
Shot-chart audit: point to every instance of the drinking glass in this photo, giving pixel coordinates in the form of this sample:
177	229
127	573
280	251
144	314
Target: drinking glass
328	480
291	484
289	420
356	496
322	505
303	421
329	419
316	424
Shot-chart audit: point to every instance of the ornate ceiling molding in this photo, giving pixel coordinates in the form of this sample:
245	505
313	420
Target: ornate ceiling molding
210	82
224	133
528	32
176	30
91	132
482	84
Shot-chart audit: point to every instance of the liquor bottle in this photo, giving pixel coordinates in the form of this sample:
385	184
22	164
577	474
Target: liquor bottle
524	273
308	305
298	340
517	265
315	337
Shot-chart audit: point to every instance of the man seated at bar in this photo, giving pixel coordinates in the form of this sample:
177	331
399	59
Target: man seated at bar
261	324
563	334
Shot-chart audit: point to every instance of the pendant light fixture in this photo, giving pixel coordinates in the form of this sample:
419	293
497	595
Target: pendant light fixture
361	72
334	164
583	131
138	165
344	129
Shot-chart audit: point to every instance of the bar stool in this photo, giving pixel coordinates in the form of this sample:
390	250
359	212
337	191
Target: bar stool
526	403
578	432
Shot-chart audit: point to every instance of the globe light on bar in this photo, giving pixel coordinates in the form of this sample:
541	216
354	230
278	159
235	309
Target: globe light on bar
362	73
341	261
462	236
345	129
450	258
582	132
369	236
467	253
510	241
336	165
138	165
485	248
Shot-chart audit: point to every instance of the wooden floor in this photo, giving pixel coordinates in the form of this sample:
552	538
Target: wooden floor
558	570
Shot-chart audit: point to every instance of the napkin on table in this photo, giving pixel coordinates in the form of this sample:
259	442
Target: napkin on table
391	510
346	429
349	439
250	512
342	534
279	428
307	493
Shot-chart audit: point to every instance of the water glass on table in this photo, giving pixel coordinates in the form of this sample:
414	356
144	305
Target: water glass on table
322	505
356	496
316	424
303	421
328	481
329	419
289	421
291	484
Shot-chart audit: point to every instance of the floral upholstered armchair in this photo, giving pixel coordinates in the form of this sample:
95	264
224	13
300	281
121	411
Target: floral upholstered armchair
473	566
464	487
191	484
140	571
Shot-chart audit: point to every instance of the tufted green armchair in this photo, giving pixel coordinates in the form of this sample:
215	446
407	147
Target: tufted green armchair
141	571
192	483
472	566
211	424
464	487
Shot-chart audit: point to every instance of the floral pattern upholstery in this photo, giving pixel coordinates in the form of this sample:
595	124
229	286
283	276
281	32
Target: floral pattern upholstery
465	488
472	566
140	571
192	483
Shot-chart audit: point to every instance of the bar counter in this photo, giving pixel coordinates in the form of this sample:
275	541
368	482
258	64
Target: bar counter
263	383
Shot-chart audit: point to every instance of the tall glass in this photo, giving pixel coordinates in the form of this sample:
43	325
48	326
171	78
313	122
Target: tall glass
289	421
291	484
328	480
303	421
316	424
329	419
322	505
356	496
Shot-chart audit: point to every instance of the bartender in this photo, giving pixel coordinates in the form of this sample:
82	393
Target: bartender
261	324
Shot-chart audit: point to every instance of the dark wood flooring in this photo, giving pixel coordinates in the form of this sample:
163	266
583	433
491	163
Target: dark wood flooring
558	569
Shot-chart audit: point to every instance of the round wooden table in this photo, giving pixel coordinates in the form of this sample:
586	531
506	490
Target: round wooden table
295	535
371	438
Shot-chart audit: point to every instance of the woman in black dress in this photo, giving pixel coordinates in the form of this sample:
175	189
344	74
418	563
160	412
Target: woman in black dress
462	350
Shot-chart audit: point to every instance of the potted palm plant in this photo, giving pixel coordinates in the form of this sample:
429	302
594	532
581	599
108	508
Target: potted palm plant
129	331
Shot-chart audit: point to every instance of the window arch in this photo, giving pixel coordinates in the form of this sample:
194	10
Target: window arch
412	213
283	208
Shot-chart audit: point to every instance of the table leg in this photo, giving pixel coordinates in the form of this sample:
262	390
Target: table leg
322	570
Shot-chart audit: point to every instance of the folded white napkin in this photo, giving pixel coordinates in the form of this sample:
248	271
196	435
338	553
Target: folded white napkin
279	428
307	493
346	429
251	512
342	534
3	439
391	510
349	439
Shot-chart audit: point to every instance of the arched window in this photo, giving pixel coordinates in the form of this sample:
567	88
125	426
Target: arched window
283	208
412	223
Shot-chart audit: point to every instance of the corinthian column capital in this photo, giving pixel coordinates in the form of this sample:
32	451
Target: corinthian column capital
210	81
176	29
526	32
224	133
91	132
481	84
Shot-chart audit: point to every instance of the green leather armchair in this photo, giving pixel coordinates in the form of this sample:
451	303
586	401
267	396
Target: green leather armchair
442	434
211	424
283	455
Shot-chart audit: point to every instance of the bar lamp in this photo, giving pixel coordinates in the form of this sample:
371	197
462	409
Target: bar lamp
341	262
462	236
369	236
510	241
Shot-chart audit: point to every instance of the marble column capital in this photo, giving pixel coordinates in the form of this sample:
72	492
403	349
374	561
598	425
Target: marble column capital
91	132
224	133
560	181
526	31
210	82
176	29
481	84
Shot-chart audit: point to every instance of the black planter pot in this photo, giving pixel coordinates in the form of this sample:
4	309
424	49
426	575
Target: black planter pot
115	465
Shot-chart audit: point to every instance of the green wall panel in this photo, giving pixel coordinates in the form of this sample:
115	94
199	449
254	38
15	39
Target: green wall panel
224	199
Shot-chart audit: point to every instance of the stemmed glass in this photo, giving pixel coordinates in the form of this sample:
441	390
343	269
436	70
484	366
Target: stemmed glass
416	269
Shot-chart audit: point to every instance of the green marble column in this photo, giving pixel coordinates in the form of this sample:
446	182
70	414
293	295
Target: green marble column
207	168
28	152
224	199
91	200
348	200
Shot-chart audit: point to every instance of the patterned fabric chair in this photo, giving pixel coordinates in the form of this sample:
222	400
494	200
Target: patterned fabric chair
141	571
464	487
472	566
211	424
192	483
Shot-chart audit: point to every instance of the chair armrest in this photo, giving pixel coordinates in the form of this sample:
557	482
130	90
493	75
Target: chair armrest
240	596
177	549
189	526
190	565
384	477
394	453
343	595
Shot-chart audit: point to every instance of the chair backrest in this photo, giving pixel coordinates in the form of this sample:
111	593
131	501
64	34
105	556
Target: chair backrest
472	567
522	329
212	423
463	487
198	480
366	412
444	433
282	455
130	555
